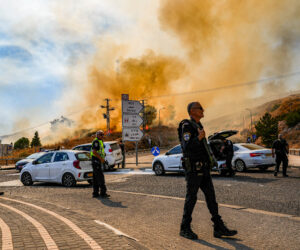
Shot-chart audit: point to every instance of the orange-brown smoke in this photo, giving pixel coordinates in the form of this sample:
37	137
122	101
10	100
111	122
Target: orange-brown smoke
222	43
148	75
230	42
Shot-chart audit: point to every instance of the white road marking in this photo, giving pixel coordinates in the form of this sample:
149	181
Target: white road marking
14	183
116	231
50	244
255	211
90	241
6	236
14	174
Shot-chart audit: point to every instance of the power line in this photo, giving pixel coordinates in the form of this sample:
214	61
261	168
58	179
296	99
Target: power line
229	86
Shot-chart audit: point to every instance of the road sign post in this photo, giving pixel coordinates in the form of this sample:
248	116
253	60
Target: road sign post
131	121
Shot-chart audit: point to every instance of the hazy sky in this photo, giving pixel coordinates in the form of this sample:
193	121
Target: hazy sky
46	46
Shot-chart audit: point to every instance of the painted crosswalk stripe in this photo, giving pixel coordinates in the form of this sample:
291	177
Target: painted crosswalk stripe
89	240
49	242
6	236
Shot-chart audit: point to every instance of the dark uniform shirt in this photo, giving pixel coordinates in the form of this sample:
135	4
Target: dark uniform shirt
122	146
280	146
192	147
228	150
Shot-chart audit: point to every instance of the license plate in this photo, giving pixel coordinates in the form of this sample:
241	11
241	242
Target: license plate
268	155
90	174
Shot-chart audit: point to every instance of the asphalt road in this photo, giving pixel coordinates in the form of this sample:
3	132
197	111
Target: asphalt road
149	207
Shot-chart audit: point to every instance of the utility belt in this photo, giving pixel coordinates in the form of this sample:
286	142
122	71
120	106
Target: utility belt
96	163
194	166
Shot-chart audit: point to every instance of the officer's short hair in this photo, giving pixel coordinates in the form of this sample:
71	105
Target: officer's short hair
190	105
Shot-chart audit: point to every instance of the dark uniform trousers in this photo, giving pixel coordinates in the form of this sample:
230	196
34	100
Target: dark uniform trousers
98	178
228	162
281	158
193	183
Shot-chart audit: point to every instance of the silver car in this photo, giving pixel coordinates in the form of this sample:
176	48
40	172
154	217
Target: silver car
249	155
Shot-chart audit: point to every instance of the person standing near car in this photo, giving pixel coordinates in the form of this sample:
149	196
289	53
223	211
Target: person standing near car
280	148
228	152
98	159
122	146
197	161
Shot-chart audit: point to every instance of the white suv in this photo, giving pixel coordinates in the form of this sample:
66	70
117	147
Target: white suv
112	150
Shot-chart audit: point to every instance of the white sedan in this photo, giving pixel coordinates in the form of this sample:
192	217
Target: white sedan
249	155
64	166
171	162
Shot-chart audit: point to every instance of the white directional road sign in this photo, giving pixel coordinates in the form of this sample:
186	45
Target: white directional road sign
132	134
132	120
132	107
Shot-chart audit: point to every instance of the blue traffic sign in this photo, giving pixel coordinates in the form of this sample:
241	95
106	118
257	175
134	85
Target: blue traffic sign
155	151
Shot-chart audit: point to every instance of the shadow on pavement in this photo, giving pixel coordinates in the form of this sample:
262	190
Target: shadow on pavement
205	243
110	203
235	244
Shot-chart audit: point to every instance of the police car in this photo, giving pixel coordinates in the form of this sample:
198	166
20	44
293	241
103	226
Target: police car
171	160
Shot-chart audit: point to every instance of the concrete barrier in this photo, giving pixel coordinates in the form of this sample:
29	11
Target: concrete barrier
294	151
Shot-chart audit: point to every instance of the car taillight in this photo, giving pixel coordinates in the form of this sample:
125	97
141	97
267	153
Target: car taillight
255	154
76	164
110	150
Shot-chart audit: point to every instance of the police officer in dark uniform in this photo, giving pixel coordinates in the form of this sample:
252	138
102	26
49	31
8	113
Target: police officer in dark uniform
98	159
197	160
228	152
281	148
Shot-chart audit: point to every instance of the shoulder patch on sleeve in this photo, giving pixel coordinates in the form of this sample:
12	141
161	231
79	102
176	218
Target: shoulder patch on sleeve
186	136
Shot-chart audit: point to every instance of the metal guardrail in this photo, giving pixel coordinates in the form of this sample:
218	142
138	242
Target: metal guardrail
8	161
294	151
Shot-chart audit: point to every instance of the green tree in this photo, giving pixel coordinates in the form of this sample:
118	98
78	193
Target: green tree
293	118
267	129
36	140
21	143
150	114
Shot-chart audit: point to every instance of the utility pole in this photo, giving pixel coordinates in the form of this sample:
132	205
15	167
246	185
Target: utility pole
107	114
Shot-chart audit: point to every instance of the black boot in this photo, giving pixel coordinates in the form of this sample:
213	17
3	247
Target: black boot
221	230
187	232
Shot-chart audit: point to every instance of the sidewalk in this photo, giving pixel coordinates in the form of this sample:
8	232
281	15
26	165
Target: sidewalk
149	222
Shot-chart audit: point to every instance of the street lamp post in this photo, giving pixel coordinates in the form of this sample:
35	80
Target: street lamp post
159	115
251	122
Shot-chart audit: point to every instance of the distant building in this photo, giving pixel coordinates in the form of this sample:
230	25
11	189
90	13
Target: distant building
6	149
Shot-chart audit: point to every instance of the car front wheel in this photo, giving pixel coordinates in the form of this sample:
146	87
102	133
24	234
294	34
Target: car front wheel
68	180
158	169
26	179
240	166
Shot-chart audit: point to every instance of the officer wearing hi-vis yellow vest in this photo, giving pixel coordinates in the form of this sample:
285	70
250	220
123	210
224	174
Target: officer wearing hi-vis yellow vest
98	159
